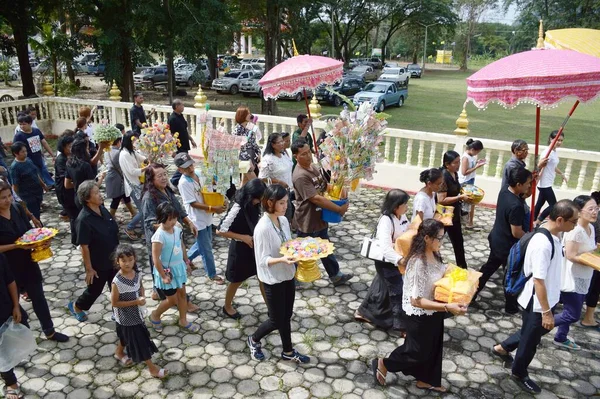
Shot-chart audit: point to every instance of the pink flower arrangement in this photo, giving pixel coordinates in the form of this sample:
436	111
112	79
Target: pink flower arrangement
157	143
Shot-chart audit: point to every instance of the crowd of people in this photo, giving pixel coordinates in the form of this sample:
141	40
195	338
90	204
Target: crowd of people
283	194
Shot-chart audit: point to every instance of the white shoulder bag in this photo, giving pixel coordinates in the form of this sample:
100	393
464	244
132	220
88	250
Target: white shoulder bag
370	245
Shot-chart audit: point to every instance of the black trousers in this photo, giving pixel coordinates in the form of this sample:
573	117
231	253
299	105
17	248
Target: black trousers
546	195
93	291
456	238
421	353
280	302
591	299
9	376
526	340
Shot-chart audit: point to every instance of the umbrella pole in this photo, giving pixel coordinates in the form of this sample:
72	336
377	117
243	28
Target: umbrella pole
562	127
312	129
535	162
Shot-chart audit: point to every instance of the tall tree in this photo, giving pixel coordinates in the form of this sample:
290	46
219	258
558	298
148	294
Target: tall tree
470	12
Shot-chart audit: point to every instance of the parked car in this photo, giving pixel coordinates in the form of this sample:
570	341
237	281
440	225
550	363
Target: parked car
159	75
183	75
366	72
259	68
391	64
375	62
382	94
231	81
414	70
395	75
97	68
143	76
348	86
250	87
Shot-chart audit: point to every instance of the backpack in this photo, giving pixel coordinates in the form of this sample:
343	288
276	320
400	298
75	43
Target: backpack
515	279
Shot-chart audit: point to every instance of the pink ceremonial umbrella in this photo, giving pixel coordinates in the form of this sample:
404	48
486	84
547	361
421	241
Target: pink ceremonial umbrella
299	73
541	77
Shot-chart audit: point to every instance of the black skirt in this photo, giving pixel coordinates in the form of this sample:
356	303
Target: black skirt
241	264
383	303
137	342
421	353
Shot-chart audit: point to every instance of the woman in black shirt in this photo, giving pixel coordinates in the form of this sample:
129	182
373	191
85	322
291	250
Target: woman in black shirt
13	224
449	195
66	197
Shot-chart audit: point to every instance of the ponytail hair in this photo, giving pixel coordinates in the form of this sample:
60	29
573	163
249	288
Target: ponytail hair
430	175
553	135
474	145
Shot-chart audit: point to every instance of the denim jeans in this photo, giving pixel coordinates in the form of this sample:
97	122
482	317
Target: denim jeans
330	263
45	175
203	247
135	221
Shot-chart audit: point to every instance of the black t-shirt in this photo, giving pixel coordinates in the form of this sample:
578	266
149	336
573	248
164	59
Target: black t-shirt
178	124
79	172
6	278
137	113
509	211
100	233
19	260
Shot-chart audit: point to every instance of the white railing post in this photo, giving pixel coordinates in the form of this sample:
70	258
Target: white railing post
581	179
567	174
486	167
499	165
596	180
432	154
409	152
420	154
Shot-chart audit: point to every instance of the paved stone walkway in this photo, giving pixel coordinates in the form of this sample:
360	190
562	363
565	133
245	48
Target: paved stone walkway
215	362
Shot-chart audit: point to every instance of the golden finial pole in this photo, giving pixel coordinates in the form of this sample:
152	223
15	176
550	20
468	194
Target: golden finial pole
315	108
540	41
294	47
115	93
200	99
462	124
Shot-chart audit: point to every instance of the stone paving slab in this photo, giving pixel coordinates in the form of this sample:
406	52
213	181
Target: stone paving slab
215	362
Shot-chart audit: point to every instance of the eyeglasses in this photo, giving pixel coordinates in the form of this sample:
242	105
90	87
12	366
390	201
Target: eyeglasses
440	238
592	210
573	221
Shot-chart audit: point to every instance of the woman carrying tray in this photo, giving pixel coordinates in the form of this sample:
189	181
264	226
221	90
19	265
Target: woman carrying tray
576	276
421	353
383	304
468	170
276	272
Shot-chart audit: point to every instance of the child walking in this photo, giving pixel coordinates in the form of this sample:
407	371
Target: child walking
170	271
127	298
468	170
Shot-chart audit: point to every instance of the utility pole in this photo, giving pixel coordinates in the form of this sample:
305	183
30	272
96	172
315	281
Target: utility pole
332	35
425	44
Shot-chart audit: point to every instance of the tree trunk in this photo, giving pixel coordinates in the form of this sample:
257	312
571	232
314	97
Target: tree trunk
127	78
20	36
269	107
70	72
55	72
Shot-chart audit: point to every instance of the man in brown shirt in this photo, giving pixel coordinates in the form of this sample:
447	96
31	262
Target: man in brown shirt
309	186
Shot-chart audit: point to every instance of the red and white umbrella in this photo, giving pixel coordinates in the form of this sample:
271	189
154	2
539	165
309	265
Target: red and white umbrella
541	77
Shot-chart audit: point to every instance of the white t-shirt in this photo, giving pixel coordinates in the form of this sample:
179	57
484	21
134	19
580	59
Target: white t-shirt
190	192
424	203
537	261
580	274
131	168
280	168
549	173
472	161
387	233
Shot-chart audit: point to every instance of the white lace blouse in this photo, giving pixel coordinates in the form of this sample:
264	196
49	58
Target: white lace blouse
274	167
418	283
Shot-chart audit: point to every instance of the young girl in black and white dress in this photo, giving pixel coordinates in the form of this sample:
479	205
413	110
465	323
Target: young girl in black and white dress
127	298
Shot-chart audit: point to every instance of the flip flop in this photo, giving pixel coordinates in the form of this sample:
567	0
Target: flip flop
162	373
80	316
157	325
218	280
377	372
596	327
125	360
359	317
132	236
191	327
433	389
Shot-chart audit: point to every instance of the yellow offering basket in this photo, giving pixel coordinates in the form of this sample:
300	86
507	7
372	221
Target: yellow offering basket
308	271
213	199
41	250
475	193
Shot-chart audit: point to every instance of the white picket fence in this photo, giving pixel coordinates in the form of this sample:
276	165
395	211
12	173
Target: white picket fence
405	153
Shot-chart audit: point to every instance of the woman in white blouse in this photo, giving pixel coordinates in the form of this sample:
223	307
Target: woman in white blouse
383	304
421	353
424	201
132	167
276	167
276	272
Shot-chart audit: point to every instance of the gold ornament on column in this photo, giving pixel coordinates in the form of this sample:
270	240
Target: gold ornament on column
115	93
540	40
200	99
315	108
47	88
462	124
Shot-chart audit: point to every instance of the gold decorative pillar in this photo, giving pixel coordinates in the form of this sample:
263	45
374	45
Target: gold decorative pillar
315	108
200	99
462	124
115	93
540	40
47	88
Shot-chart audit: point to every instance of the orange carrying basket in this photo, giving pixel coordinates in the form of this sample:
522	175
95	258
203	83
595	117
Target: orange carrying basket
213	199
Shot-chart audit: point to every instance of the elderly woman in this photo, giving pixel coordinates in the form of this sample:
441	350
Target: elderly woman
250	151
28	276
156	191
98	237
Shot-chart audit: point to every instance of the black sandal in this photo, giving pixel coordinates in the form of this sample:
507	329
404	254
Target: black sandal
234	316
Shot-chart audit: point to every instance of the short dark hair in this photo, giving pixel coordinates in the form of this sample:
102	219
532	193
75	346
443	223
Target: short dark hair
25	119
120	126
300	118
581	200
122	251
63	141
269	146
297	145
518	176
165	211
274	193
553	135
175	103
393	199
30	109
517	144
449	157
563	209
16	147
136	95
596	196
127	142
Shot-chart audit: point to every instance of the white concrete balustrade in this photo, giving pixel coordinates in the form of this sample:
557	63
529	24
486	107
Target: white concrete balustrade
405	153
